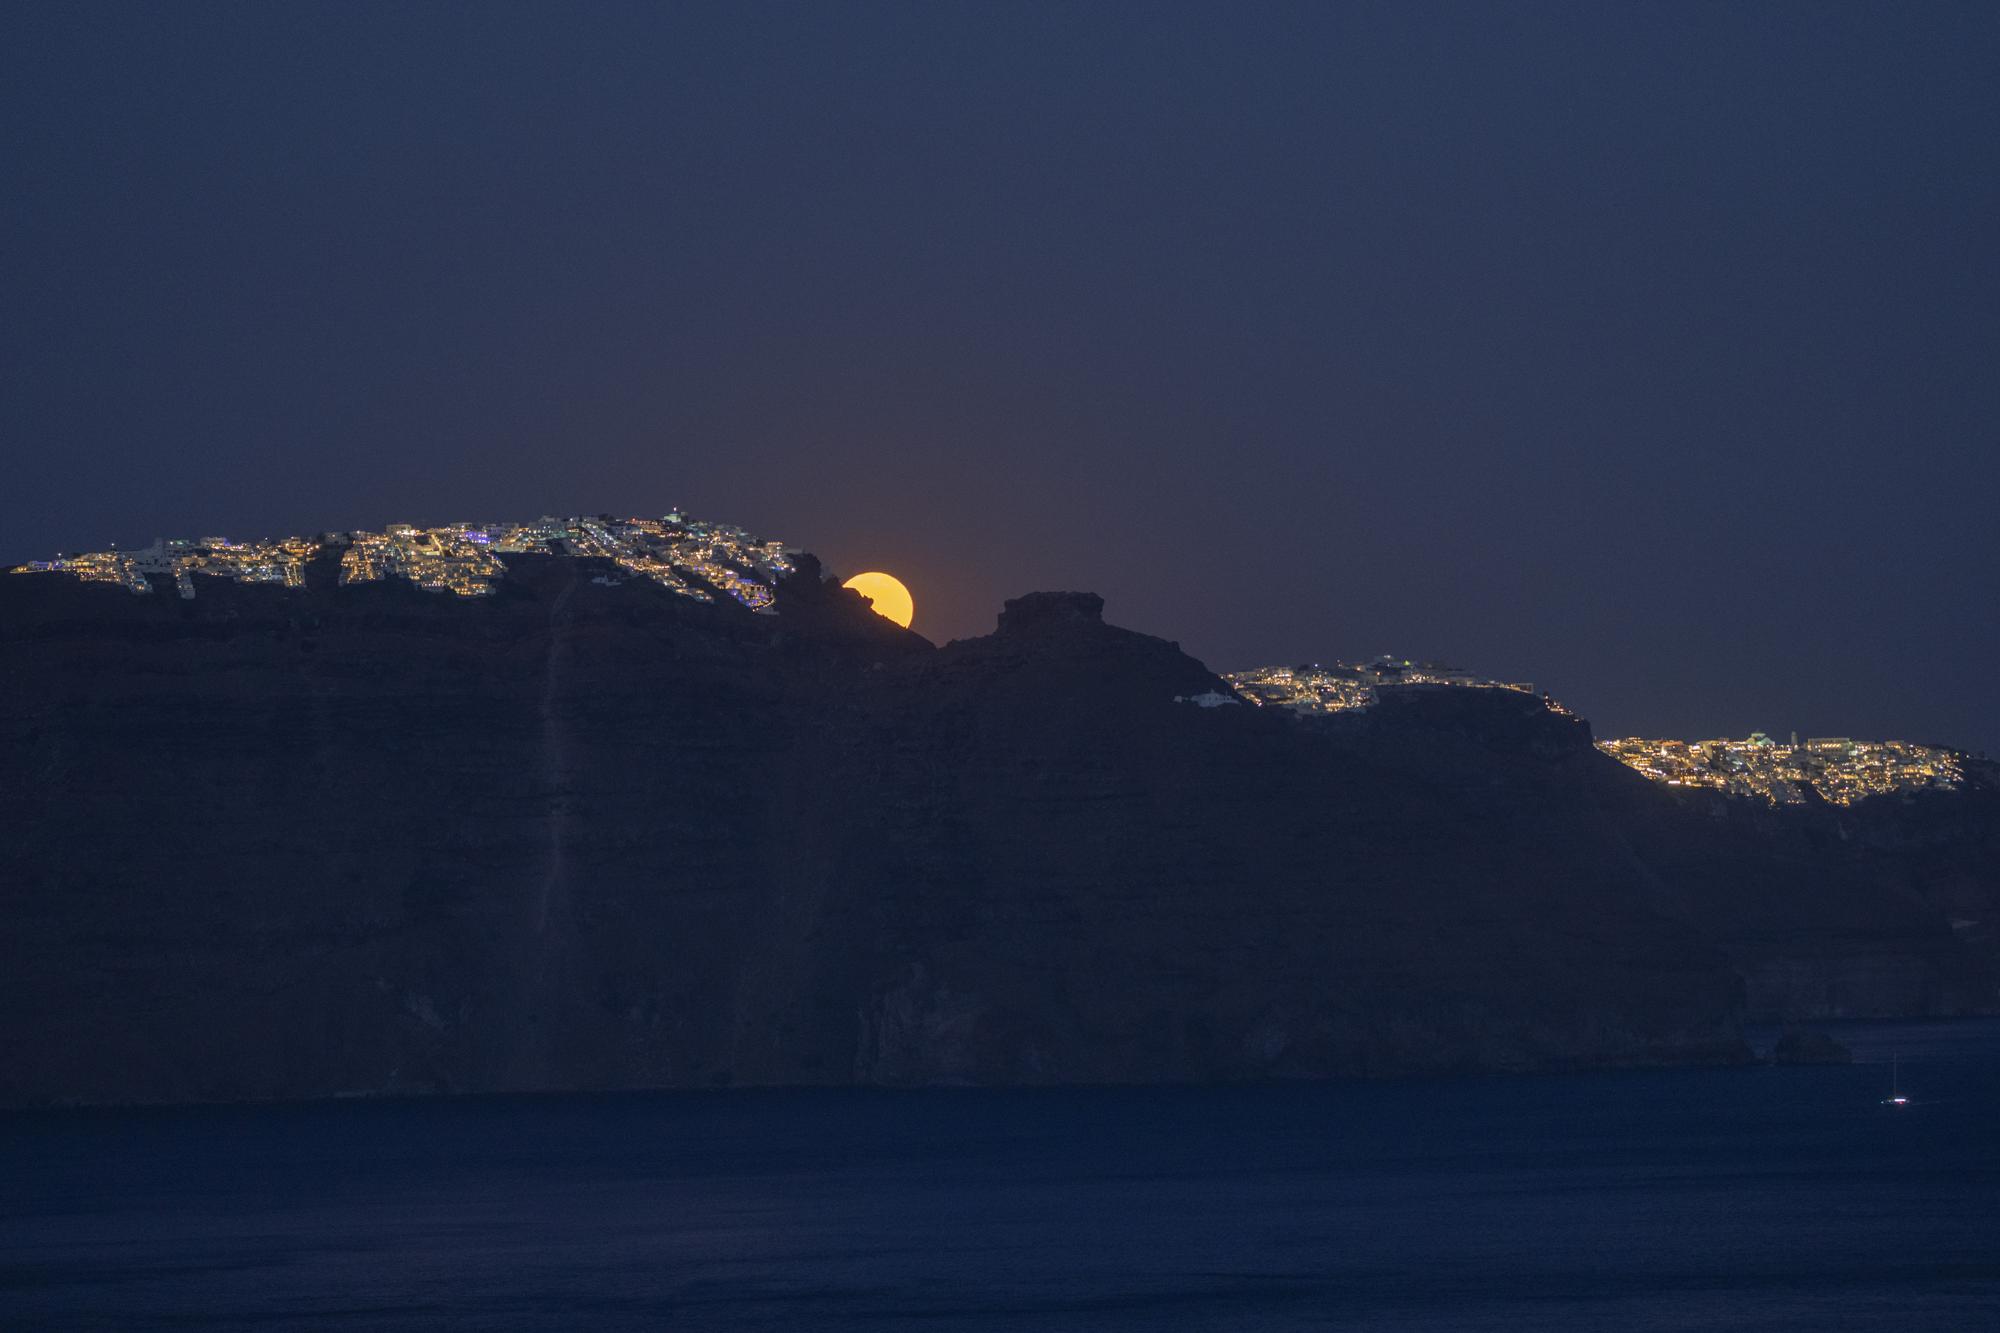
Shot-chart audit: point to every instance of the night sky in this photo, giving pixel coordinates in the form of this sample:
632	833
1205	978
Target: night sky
1651	353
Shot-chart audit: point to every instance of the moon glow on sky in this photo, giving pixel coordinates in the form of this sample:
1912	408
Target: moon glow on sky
886	593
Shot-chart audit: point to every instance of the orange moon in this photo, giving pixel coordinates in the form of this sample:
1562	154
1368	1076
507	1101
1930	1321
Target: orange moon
886	593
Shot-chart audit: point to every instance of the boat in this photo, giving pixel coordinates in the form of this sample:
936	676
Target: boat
1895	1097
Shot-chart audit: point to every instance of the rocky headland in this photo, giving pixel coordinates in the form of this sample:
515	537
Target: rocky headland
582	833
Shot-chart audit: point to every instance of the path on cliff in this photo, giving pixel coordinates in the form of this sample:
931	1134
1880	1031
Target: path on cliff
548	942
555	748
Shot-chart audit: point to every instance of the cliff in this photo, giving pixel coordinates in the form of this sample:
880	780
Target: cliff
585	834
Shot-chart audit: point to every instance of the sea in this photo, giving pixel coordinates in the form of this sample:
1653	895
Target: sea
1747	1198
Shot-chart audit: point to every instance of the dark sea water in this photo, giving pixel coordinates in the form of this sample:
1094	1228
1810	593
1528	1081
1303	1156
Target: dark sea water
1716	1199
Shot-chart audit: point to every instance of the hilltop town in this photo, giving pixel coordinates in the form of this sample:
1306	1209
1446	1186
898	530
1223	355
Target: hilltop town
1835	769
704	561
689	557
1342	686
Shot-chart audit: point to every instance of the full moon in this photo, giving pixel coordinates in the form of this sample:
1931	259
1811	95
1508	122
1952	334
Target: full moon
886	593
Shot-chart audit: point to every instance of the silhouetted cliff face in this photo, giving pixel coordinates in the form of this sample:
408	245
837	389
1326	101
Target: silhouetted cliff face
586	834
1882	909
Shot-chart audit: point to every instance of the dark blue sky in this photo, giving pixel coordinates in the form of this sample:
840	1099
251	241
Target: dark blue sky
1649	352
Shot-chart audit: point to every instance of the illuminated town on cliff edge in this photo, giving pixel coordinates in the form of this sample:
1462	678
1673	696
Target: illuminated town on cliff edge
1835	768
700	560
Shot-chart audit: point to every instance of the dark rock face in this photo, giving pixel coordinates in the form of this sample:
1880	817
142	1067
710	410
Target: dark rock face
1881	910
577	835
1048	610
1803	1046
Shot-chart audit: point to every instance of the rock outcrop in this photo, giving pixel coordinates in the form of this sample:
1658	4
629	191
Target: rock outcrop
1807	1046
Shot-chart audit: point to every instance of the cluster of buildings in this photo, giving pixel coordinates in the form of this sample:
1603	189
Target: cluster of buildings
96	567
689	557
1835	768
1342	686
181	558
